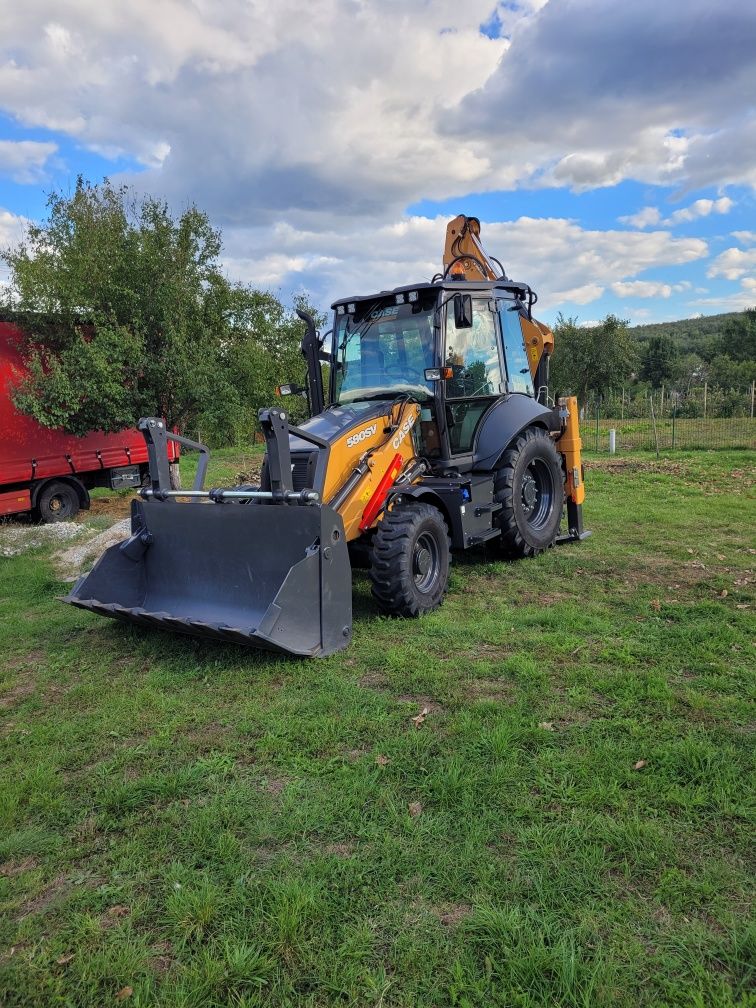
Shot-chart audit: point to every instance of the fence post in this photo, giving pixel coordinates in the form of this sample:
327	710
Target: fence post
674	417
598	416
653	420
612	441
622	404
753	391
706	391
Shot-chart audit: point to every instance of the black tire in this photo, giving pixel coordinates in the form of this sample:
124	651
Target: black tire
409	564
529	485
57	501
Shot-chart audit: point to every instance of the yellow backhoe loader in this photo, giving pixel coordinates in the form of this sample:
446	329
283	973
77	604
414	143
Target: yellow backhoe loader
436	433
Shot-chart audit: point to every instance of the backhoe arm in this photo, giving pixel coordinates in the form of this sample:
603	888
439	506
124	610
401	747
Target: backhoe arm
465	256
463	252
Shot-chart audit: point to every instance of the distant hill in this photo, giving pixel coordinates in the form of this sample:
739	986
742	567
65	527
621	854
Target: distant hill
693	335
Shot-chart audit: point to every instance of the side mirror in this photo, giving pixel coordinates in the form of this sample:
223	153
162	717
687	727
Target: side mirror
463	311
438	373
290	389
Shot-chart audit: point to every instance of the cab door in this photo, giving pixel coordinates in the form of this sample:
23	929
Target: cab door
518	374
478	378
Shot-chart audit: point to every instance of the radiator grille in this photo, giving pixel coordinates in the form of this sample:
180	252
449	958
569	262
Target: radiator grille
301	470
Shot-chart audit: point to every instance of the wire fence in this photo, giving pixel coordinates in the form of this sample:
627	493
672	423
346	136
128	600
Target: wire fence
701	417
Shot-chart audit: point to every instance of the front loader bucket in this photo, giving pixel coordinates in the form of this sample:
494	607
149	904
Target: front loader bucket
275	576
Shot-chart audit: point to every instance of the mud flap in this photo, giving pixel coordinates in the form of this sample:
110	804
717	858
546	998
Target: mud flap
273	576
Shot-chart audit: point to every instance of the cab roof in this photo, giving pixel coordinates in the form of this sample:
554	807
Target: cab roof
502	287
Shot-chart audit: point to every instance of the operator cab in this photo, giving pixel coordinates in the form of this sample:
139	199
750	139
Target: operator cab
455	348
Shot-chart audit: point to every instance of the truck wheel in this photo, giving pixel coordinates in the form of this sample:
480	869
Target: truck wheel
56	502
409	564
529	485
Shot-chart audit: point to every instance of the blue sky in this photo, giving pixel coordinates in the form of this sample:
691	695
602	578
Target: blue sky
609	150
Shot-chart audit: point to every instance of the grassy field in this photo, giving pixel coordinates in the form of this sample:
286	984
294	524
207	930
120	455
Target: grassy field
189	824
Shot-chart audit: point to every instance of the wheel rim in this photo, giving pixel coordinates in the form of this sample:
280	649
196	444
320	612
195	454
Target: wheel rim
537	493
426	562
59	506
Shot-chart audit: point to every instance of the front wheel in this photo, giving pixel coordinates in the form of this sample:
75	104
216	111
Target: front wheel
409	564
529	485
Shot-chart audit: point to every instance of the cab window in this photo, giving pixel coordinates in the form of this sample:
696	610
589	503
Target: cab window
473	356
519	378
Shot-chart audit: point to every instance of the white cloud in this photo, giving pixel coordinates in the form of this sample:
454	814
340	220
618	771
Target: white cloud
644	218
24	160
265	112
733	263
306	132
641	289
701	208
617	91
734	300
583	294
564	263
745	237
12	228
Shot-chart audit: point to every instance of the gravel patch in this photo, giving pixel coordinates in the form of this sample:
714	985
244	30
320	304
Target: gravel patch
16	540
71	563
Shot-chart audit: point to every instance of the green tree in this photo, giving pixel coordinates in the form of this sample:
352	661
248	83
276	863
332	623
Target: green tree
660	361
739	337
591	359
127	313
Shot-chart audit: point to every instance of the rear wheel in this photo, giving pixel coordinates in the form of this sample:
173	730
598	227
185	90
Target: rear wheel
529	485
56	502
409	566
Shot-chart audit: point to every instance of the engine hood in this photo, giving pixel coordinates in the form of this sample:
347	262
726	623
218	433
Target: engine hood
332	423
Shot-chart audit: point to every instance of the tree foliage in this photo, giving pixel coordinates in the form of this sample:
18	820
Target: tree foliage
660	361
127	314
591	359
739	337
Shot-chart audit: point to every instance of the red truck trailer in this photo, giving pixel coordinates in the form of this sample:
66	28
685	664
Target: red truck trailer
49	472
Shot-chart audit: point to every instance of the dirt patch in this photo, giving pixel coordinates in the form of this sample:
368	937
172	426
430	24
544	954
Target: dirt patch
12	868
45	898
206	737
18	692
664	466
73	562
162	958
26	662
250	474
17	539
374	680
422	703
112	506
275	785
343	849
490	690
451	914
113	915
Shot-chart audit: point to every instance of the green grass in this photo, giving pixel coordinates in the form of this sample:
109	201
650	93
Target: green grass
209	826
684	433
